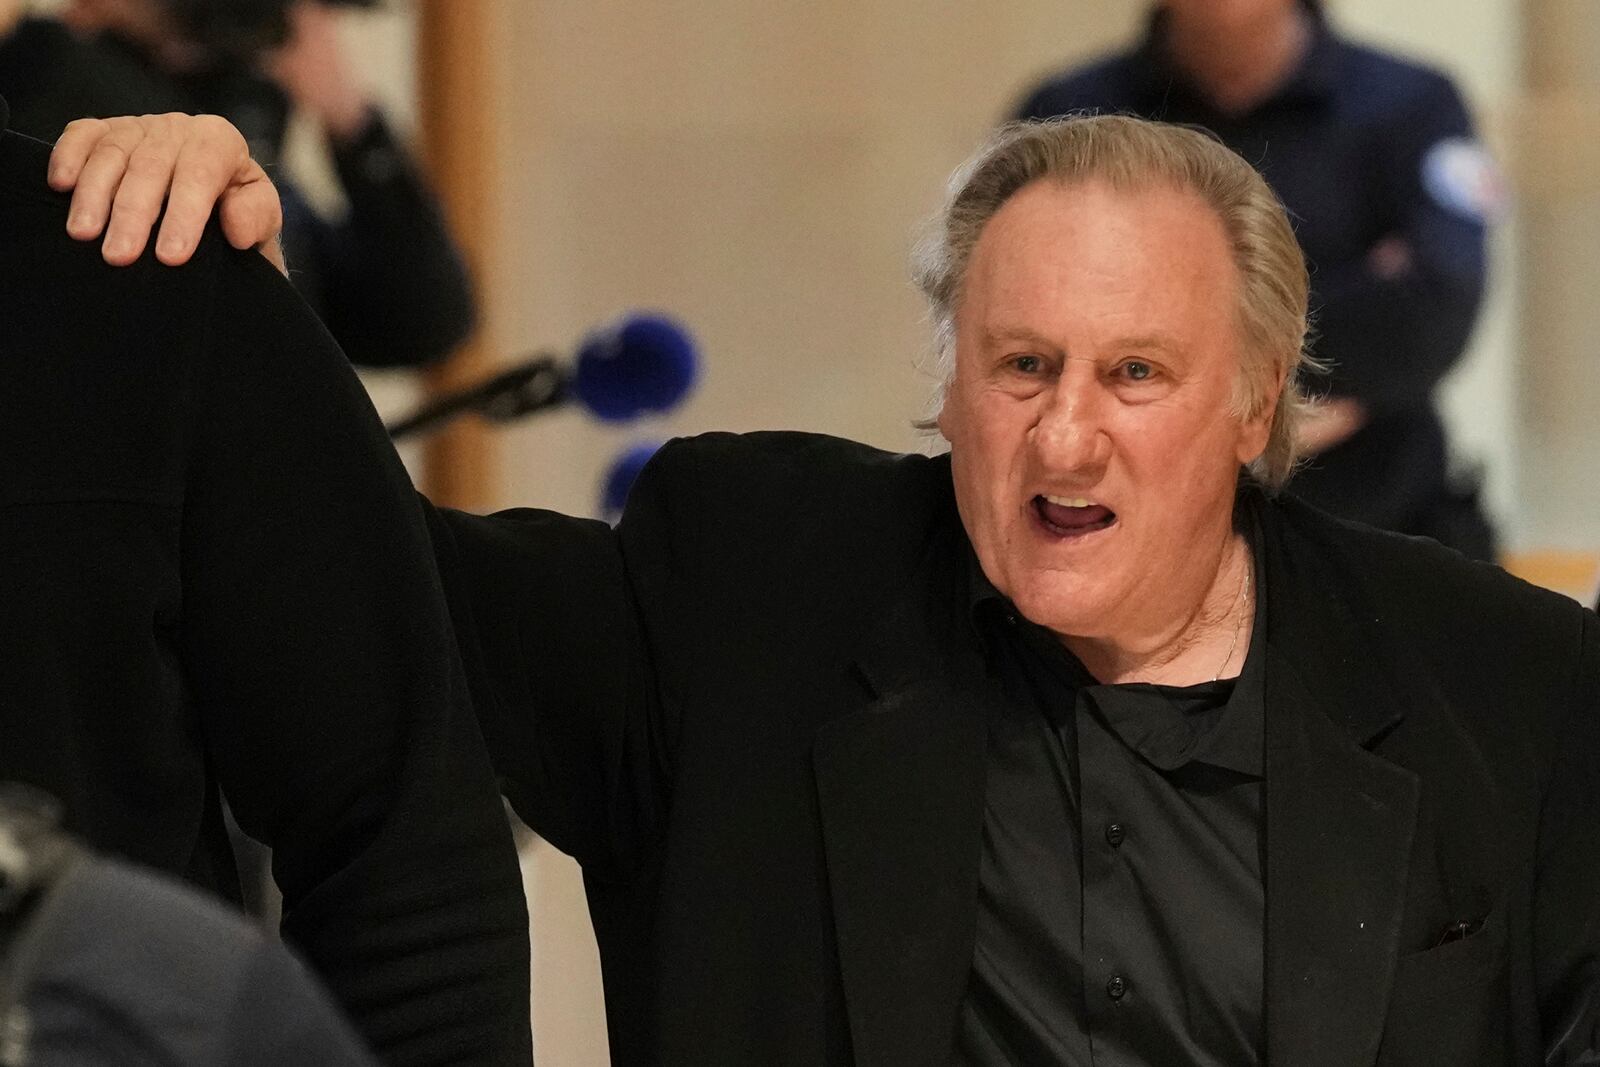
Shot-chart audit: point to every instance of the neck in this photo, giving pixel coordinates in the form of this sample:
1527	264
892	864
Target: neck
10	15
1206	642
1239	66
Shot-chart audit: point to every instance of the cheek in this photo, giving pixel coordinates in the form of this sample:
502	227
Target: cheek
1178	457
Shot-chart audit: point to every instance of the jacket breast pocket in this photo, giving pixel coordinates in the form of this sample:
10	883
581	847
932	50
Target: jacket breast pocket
1449	1004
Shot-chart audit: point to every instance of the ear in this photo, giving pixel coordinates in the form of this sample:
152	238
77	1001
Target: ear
1255	432
946	420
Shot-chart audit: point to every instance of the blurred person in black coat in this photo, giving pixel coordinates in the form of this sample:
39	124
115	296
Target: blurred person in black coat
385	276
215	582
1376	159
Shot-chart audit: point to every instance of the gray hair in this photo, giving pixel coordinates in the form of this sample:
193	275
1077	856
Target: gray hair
1130	153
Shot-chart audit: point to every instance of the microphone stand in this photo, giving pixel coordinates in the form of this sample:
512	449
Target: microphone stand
533	385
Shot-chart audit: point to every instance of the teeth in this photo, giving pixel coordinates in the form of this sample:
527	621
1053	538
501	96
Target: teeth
1070	501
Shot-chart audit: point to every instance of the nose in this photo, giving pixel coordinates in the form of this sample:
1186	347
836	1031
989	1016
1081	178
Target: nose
1071	438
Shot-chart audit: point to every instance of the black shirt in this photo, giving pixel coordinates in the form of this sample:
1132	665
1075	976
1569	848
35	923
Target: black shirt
1120	900
1361	146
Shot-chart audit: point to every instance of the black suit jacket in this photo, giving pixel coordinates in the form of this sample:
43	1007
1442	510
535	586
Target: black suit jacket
755	714
214	579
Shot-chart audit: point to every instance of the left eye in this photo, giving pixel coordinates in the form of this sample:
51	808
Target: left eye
1138	371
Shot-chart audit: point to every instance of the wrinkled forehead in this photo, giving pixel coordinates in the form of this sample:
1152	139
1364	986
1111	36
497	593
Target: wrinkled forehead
1153	261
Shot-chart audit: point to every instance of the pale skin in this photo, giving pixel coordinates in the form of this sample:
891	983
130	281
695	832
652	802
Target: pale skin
1096	361
122	171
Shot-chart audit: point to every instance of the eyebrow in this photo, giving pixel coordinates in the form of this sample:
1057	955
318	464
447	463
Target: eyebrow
1011	335
1154	342
1151	342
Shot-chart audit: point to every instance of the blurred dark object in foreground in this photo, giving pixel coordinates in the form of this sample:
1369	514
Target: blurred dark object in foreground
107	964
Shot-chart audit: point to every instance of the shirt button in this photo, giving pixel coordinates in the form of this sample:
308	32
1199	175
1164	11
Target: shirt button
1116	987
1114	834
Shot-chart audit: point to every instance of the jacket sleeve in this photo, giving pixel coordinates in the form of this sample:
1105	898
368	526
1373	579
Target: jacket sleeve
321	661
1390	339
553	614
387	277
1566	911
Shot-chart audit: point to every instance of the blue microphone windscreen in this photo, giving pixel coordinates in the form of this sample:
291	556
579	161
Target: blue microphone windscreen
642	365
621	475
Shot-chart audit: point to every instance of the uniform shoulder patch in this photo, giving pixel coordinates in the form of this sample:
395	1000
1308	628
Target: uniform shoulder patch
1460	176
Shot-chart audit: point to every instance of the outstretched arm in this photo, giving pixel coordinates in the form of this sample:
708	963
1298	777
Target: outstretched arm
331	697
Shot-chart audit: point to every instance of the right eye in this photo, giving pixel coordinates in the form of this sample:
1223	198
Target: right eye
1026	364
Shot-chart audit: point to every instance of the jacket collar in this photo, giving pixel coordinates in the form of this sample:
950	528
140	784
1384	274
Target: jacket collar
1339	820
900	788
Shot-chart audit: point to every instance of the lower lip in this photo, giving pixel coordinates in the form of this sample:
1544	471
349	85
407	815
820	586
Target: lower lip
1076	535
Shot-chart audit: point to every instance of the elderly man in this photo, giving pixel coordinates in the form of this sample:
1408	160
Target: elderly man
1079	744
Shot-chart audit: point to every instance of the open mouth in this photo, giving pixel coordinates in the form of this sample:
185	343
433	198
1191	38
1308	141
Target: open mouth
1072	516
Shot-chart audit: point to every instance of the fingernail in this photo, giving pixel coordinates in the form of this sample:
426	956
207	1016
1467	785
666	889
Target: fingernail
81	221
119	246
170	246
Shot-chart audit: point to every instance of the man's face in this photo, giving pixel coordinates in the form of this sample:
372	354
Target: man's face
1229	16
1093	440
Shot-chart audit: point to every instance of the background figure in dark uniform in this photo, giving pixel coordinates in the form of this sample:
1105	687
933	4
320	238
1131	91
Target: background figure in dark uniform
386	277
1376	160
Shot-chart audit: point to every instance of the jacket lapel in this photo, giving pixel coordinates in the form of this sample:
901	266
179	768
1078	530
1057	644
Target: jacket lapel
1340	820
900	786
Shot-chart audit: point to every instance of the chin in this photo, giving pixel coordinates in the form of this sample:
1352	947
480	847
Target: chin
1065	607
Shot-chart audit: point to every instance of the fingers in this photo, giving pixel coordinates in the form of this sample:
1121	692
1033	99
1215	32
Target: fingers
118	171
251	213
137	202
72	150
211	162
124	171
